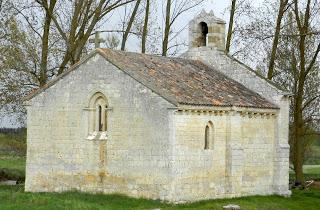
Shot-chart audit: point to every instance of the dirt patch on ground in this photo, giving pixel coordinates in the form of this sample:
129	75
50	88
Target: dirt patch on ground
316	185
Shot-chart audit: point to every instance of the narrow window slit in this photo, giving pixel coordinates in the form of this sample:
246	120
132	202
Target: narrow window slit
206	141
208	136
100	118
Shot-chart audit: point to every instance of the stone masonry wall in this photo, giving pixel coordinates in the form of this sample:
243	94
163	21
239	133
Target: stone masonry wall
133	160
238	164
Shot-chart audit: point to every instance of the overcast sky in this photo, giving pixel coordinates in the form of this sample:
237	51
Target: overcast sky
219	8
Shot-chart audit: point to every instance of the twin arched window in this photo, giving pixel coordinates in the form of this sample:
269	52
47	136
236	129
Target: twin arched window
208	138
98	116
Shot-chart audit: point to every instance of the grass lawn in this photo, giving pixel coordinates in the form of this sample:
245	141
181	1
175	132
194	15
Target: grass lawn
12	162
311	169
13	197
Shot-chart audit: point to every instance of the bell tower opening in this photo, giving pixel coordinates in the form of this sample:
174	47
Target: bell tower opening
203	34
207	30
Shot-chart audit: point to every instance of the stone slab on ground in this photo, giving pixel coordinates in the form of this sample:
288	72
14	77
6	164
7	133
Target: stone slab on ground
231	207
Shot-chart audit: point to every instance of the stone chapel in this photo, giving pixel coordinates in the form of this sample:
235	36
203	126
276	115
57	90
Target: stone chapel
179	129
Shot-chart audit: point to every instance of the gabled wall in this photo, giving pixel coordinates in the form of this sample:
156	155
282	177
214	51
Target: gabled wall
133	160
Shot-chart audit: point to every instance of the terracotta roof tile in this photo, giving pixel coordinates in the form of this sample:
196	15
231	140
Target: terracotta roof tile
183	81
180	81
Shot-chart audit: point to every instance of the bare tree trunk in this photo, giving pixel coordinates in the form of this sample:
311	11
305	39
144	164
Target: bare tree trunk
230	28
298	124
45	45
145	28
282	9
127	31
167	29
1	1
298	129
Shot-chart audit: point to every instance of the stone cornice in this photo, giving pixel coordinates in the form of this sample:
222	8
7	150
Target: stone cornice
226	111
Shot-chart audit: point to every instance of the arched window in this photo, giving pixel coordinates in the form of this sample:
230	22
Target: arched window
100	118
203	34
208	136
98	114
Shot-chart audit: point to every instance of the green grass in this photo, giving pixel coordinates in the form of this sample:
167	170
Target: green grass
13	197
13	162
311	169
13	166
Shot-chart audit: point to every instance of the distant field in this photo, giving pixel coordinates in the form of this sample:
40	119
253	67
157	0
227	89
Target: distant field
313	157
311	169
311	172
12	156
13	143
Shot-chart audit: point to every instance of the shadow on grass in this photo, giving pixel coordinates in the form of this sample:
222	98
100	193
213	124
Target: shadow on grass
12	174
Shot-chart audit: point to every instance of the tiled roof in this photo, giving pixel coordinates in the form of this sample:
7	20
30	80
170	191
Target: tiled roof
183	81
180	81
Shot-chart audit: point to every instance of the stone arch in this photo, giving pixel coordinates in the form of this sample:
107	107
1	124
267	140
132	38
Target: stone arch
203	34
208	136
98	116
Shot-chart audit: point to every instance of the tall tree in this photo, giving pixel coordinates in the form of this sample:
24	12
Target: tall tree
130	23
40	39
230	28
307	61
283	6
145	27
45	44
166	29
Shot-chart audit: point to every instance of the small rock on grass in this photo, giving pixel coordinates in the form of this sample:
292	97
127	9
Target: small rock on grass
231	207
